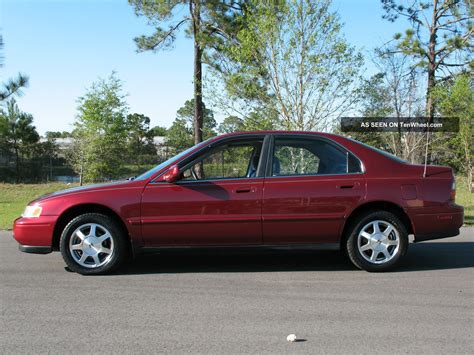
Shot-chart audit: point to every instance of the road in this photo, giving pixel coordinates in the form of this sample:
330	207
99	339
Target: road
241	303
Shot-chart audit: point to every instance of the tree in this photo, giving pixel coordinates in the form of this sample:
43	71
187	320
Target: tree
100	131
374	102
159	131
47	152
393	92
139	138
455	98
208	22
291	57
179	135
57	134
12	86
231	124
440	37
18	136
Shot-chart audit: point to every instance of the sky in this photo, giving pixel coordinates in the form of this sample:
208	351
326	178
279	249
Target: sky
66	45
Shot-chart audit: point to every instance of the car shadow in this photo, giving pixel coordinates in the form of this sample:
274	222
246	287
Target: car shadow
438	256
420	257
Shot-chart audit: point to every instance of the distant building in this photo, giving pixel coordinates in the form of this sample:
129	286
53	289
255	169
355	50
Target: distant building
162	149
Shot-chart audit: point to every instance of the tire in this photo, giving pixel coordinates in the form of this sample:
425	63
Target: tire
93	244
377	241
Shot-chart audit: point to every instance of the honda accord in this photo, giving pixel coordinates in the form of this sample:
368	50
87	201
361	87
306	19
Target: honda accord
251	190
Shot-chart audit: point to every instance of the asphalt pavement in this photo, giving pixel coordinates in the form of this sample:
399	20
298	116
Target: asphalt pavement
241	303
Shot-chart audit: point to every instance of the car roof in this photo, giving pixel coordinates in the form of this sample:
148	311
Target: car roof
264	132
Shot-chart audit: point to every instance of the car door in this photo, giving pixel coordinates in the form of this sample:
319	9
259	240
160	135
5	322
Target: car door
216	201
311	185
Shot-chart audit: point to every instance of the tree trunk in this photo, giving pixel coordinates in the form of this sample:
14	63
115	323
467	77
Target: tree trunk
17	165
198	118
429	99
195	9
430	111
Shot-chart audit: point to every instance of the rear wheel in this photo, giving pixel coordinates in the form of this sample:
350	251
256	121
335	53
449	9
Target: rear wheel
92	244
377	241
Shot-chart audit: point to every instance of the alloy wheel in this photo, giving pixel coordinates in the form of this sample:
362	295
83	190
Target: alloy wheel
378	242
91	245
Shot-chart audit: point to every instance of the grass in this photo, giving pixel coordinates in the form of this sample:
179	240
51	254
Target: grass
466	199
14	198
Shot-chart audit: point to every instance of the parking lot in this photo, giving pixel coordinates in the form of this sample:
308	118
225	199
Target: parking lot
241	303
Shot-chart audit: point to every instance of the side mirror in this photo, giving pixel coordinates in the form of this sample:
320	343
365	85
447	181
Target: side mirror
172	174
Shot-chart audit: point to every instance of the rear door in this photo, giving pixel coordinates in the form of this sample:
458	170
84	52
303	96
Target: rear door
311	186
217	200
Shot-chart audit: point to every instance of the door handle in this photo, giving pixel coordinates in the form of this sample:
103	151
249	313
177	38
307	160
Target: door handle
243	190
349	185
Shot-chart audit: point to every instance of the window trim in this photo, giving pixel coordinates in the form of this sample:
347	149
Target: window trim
269	165
193	158
265	166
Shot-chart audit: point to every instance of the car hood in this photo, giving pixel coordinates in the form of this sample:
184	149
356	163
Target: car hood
80	189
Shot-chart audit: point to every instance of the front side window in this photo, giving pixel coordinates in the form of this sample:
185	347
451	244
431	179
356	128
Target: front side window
229	161
293	156
170	161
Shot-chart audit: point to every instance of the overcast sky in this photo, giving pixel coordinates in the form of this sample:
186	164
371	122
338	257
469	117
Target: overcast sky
65	45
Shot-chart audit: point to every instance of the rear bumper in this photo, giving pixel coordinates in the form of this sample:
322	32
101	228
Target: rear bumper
423	237
437	225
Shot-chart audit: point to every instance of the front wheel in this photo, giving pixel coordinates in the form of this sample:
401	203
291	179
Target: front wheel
377	241
92	244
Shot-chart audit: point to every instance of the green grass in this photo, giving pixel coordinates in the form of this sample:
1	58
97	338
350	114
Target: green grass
466	199
14	198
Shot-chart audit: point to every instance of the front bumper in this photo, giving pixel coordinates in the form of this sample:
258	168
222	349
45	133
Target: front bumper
32	249
35	235
439	224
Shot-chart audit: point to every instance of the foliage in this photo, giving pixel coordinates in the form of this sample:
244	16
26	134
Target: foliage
439	39
13	86
464	198
456	99
291	57
159	131
139	139
180	134
18	137
57	134
231	124
262	119
393	92
100	131
208	24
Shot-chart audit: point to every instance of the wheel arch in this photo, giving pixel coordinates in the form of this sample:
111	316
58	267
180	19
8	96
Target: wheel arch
77	210
375	206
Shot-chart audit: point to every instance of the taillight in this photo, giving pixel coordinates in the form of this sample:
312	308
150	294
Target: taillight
452	195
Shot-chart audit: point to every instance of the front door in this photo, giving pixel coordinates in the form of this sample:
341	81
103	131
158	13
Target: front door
312	186
216	202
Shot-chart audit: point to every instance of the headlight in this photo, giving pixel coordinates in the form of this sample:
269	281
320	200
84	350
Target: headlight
32	211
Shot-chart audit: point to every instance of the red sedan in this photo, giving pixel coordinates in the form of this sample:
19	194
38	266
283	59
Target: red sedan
253	190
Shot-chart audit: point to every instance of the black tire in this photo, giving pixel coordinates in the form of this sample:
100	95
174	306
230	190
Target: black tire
117	241
352	247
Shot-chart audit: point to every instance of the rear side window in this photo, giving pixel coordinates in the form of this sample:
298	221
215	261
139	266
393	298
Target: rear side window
303	156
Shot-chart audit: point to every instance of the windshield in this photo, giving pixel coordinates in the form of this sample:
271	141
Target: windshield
157	168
